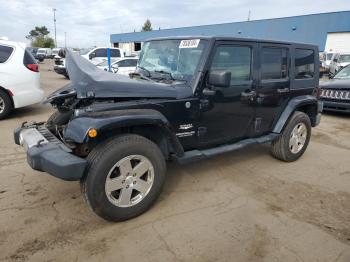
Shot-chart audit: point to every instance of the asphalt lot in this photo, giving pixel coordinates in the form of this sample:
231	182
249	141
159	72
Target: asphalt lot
242	206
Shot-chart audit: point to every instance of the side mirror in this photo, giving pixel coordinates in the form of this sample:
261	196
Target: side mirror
219	78
92	55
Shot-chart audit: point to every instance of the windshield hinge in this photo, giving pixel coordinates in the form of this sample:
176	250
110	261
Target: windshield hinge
90	94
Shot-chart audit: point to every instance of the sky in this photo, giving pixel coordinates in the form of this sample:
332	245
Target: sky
89	23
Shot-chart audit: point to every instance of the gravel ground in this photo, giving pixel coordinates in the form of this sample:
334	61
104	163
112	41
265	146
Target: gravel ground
242	206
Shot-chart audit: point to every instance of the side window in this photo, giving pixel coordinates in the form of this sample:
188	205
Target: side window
236	59
274	63
130	62
101	52
5	53
115	53
304	63
122	63
133	62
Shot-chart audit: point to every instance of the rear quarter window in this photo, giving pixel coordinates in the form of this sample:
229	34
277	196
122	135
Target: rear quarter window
5	53
304	63
28	57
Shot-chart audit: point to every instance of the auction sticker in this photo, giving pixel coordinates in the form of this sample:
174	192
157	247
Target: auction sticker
189	43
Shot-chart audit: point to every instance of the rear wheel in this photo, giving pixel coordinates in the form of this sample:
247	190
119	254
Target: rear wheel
294	139
5	104
124	177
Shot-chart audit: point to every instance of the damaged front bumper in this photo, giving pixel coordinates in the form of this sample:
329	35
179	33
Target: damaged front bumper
48	154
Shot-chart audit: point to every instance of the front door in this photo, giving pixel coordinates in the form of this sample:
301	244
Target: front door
228	115
273	85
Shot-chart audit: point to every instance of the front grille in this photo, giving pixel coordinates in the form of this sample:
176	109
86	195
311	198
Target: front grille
335	94
51	137
48	135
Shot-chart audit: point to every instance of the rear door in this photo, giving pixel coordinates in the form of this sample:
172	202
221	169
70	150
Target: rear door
273	85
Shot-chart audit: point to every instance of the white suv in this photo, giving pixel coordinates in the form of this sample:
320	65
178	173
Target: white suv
20	77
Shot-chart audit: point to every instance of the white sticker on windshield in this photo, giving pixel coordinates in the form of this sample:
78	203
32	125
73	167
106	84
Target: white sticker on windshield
189	43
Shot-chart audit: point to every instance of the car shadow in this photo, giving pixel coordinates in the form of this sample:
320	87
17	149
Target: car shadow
344	115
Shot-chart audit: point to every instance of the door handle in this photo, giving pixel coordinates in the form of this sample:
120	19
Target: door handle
283	90
248	93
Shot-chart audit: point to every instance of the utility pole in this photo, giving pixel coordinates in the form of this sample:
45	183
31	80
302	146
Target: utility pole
54	21
249	15
65	39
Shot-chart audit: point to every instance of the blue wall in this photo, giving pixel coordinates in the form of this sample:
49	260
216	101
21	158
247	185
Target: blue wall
307	29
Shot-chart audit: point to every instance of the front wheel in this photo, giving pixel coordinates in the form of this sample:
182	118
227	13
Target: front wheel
124	177
294	139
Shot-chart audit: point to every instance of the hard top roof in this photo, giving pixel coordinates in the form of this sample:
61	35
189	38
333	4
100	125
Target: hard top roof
227	38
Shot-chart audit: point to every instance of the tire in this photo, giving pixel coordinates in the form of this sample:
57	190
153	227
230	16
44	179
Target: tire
66	76
115	206
289	146
5	104
57	119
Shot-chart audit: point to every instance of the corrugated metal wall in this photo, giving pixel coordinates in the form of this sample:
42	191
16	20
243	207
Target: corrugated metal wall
307	28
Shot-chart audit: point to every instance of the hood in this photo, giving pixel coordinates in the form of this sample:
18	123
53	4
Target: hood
336	84
89	81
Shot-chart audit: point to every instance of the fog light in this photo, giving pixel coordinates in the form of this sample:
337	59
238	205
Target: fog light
92	132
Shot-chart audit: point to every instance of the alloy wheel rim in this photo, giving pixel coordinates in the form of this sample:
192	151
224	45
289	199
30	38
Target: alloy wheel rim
2	105
297	138
129	181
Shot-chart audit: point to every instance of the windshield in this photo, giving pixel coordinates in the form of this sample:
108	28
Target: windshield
177	58
41	51
343	74
329	56
344	58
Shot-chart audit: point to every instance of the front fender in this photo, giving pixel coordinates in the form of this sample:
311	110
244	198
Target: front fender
293	104
109	121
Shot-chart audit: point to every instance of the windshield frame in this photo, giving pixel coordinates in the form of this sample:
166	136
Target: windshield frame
189	81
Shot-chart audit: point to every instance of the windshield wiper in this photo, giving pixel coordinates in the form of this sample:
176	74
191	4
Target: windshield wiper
166	73
146	70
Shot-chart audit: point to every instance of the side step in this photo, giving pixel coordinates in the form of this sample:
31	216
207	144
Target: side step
195	155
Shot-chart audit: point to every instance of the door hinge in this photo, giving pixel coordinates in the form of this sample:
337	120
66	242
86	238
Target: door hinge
257	124
201	131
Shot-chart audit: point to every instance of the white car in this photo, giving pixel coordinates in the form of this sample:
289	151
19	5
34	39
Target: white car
55	52
339	61
122	66
20	77
99	54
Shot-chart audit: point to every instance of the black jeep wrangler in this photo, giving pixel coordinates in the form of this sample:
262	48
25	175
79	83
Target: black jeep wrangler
189	99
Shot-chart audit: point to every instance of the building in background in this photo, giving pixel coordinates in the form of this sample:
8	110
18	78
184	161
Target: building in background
330	31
